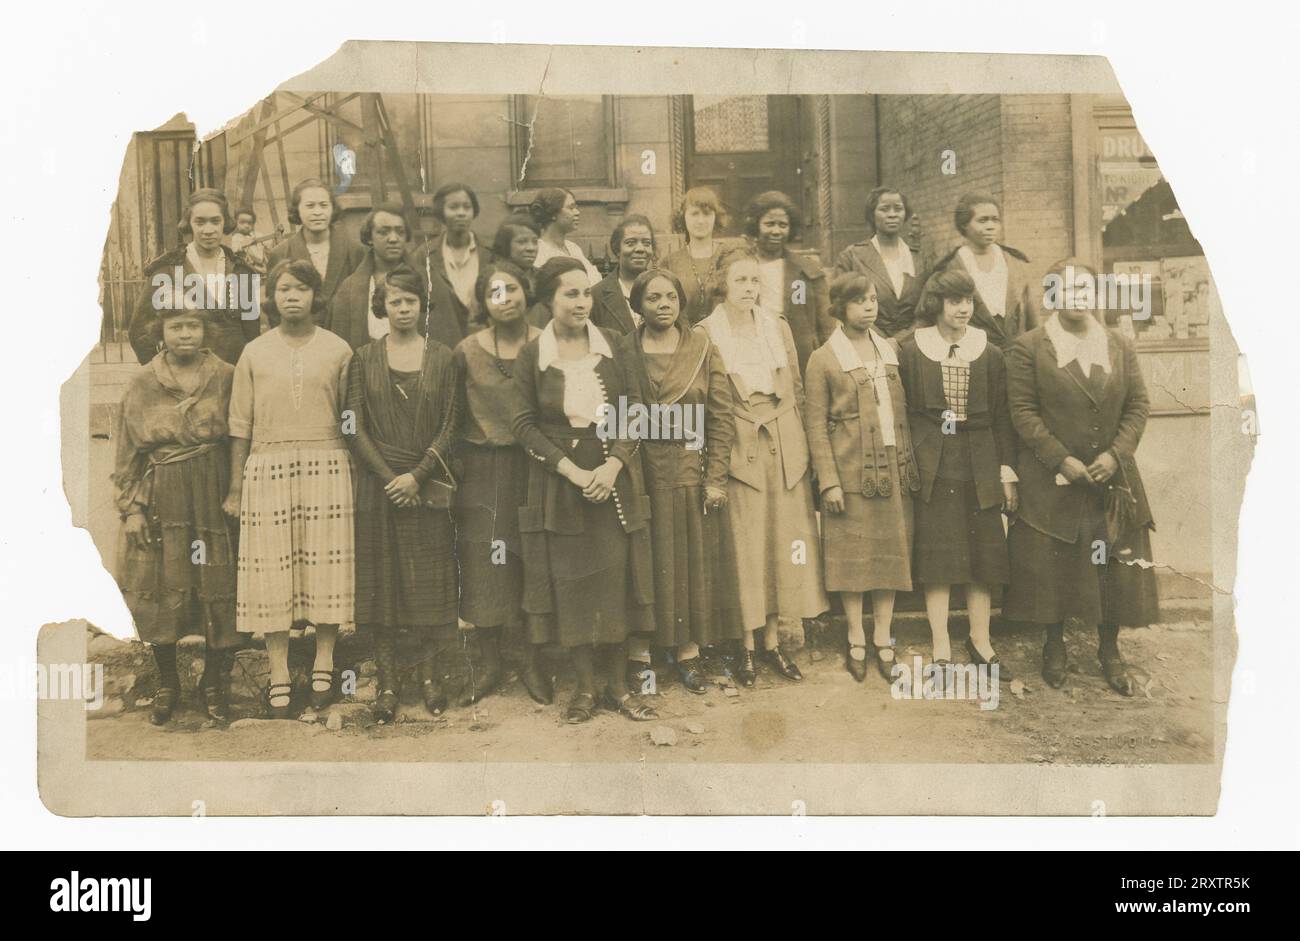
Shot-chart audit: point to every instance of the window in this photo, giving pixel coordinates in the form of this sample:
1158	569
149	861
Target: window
1144	235
571	142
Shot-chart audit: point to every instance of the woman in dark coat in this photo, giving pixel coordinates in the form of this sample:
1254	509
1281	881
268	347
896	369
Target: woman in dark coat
955	381
1004	307
585	529
387	234
1080	406
791	286
632	244
685	458
173	471
334	254
230	324
493	473
456	255
892	264
402	396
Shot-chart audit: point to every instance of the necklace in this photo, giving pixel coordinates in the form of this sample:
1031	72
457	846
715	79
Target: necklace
496	357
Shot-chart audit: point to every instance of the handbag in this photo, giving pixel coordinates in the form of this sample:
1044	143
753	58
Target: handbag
1120	507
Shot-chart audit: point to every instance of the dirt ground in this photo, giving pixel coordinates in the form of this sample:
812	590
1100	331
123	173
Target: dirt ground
825	718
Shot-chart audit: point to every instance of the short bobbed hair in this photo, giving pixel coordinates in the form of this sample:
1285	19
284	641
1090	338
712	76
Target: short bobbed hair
703	198
176	310
499	266
764	203
965	211
879	193
547	279
507	231
296	196
950	283
448	190
726	258
642	284
206	195
393	209
848	289
616	237
401	278
303	271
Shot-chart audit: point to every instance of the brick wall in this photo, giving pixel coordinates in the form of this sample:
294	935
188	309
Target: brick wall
915	131
1015	147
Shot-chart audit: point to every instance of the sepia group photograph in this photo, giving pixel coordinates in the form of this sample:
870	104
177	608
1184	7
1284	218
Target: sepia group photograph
658	432
702	432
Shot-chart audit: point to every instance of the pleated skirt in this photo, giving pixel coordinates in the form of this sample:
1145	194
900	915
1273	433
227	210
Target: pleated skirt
957	542
494	485
184	581
296	552
868	547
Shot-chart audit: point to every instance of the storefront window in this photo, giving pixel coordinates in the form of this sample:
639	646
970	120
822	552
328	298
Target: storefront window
1146	237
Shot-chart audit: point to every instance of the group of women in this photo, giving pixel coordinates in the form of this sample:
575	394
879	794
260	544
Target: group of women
416	445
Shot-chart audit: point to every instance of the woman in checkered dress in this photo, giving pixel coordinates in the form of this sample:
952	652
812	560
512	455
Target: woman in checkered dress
291	483
956	387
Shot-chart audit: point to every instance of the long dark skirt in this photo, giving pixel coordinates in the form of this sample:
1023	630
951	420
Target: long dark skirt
405	561
494	484
170	591
1054	580
689	570
589	572
957	542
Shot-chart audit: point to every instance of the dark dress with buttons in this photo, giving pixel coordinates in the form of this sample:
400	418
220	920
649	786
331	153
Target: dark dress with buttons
588	571
1062	564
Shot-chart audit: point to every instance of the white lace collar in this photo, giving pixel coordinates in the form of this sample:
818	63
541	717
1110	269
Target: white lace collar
547	350
969	348
1093	348
845	352
769	331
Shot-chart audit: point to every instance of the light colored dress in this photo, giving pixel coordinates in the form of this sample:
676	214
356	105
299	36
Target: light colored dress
296	513
770	530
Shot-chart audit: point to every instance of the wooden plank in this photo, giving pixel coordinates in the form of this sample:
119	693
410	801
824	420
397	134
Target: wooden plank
395	157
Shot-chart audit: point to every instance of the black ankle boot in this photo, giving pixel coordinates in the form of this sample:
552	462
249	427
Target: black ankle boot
539	686
386	700
483	682
431	690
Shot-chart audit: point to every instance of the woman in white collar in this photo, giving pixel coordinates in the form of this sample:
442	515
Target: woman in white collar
769	528
965	447
856	416
1003	308
892	264
555	211
584	529
1080	406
